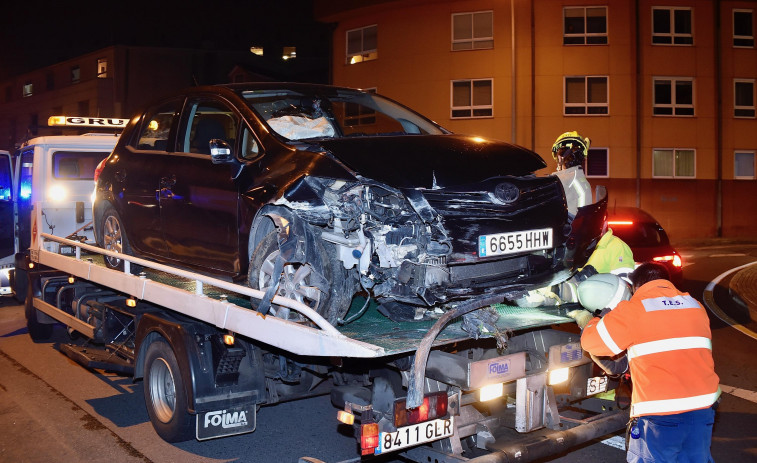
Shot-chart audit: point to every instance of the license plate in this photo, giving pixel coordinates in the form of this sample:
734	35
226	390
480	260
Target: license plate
225	422
596	385
510	243
415	434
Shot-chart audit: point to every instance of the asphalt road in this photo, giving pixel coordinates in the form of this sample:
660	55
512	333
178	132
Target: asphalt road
51	409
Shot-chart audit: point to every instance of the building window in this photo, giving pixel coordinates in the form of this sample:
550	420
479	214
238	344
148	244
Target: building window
585	25
28	89
674	96
743	165
362	44
672	26
102	68
586	95
289	53
598	163
743	98
472	98
75	74
256	50
743	31
674	163
471	31
34	124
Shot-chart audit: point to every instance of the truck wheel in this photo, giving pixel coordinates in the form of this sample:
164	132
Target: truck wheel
20	283
114	239
39	332
165	397
297	280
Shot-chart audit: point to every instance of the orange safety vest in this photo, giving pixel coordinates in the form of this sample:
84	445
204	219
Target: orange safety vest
666	334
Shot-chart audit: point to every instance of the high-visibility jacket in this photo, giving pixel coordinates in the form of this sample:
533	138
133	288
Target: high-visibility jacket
611	253
666	334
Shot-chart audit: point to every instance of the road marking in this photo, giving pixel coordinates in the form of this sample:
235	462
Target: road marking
736	254
709	301
619	442
740	393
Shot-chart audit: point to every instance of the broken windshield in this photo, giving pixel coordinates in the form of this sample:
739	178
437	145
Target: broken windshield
298	116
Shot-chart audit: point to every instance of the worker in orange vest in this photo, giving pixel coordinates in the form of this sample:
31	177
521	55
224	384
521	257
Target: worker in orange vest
666	334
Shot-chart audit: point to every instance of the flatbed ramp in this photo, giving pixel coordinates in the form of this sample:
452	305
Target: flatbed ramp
227	306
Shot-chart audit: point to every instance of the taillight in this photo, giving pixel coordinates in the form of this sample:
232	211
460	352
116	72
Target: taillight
99	169
369	438
434	406
675	259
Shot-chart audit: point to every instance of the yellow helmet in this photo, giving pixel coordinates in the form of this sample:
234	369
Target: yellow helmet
571	140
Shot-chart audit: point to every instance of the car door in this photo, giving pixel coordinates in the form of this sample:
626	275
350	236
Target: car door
6	207
139	170
199	199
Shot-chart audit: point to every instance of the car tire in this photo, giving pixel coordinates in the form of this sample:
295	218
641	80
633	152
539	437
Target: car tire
295	280
113	238
165	397
39	332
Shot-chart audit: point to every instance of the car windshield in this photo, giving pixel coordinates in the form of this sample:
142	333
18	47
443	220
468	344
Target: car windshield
641	234
344	113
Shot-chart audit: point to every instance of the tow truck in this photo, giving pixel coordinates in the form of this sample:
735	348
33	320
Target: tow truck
520	390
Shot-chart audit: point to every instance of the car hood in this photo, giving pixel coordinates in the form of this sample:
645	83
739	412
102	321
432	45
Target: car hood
429	161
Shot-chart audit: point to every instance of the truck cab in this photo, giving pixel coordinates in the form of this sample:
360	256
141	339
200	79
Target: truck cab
56	172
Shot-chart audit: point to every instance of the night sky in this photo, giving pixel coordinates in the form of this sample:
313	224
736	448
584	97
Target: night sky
37	34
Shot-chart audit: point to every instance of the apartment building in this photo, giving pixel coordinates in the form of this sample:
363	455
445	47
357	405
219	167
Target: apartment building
664	89
116	81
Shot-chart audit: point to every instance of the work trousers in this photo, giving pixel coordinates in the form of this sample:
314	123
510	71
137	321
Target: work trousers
680	438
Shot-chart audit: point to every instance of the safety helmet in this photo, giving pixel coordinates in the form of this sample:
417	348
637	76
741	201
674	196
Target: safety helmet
603	290
576	148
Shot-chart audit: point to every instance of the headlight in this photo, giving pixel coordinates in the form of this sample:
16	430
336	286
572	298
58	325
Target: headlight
57	193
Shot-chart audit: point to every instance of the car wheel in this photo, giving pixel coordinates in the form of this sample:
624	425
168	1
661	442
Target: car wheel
114	239
39	332
165	397
297	279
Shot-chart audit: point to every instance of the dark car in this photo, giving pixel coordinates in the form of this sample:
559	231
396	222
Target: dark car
322	192
646	238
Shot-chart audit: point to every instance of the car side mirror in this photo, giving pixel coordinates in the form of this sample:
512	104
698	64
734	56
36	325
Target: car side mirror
220	151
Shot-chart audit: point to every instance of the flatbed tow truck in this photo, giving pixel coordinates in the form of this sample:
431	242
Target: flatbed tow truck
208	360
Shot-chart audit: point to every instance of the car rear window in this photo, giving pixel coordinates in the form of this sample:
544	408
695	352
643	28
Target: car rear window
641	234
76	165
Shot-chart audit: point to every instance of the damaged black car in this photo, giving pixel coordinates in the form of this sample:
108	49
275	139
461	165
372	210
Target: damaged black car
319	193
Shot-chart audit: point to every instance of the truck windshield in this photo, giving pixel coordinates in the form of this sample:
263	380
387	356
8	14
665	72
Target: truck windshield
297	116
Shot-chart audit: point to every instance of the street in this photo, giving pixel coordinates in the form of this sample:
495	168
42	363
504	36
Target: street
52	409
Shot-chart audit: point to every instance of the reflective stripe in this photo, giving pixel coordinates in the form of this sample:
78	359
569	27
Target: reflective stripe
674	405
606	338
666	345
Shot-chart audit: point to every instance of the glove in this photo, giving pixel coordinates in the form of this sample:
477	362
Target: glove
581	316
